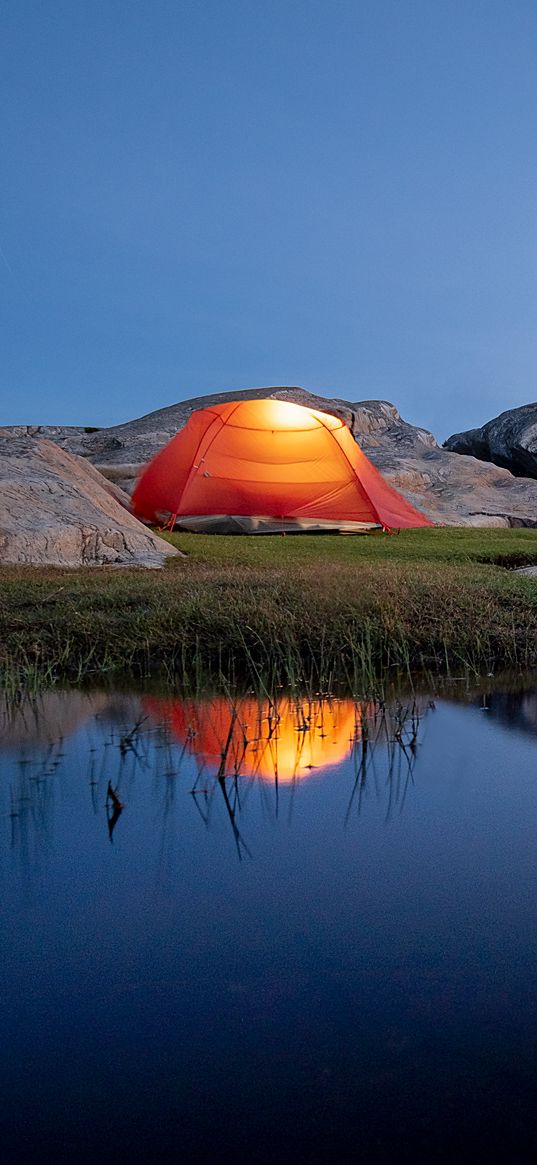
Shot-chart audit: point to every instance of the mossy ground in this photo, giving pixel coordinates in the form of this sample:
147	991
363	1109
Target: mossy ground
282	608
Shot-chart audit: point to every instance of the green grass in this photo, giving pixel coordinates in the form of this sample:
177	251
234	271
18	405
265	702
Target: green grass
439	544
290	610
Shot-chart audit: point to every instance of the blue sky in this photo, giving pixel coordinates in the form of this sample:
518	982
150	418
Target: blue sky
200	196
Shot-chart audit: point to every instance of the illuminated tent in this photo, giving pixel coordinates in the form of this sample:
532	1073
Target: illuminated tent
286	740
262	466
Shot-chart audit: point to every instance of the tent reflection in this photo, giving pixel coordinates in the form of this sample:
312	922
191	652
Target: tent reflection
286	739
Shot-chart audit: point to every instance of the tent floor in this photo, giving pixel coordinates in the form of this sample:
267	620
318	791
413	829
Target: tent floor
245	524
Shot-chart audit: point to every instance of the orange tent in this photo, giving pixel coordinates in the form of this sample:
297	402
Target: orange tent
264	466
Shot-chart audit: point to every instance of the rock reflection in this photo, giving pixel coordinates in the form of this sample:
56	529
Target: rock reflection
47	718
36	759
513	710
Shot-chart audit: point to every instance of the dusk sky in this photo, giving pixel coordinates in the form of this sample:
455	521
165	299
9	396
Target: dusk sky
201	196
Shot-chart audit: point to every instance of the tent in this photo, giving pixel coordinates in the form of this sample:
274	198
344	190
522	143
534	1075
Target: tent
262	466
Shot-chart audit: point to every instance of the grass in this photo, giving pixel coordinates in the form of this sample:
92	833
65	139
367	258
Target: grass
281	610
440	544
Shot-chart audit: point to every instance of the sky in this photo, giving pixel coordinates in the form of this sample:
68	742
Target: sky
202	195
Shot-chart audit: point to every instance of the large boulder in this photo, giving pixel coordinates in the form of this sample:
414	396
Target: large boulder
509	440
448	488
58	510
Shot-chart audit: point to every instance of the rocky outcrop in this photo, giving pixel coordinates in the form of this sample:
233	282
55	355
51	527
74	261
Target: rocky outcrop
447	487
509	440
58	510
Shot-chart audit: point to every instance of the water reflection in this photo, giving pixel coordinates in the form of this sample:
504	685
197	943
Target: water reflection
282	740
373	975
47	718
234	751
222	748
285	741
514	710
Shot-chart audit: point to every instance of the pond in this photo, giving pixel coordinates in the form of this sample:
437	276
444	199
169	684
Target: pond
269	930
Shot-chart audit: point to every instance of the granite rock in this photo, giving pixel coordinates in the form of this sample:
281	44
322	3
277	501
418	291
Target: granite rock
58	510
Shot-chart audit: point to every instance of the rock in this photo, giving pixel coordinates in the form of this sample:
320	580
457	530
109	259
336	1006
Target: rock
509	440
58	510
450	489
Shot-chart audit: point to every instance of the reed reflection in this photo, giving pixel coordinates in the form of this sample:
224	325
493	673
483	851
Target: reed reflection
135	750
282	741
278	744
114	809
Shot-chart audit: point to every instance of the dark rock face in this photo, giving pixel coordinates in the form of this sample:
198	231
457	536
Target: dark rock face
509	440
448	488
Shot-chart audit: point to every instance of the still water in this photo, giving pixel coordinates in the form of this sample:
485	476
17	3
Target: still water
268	931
